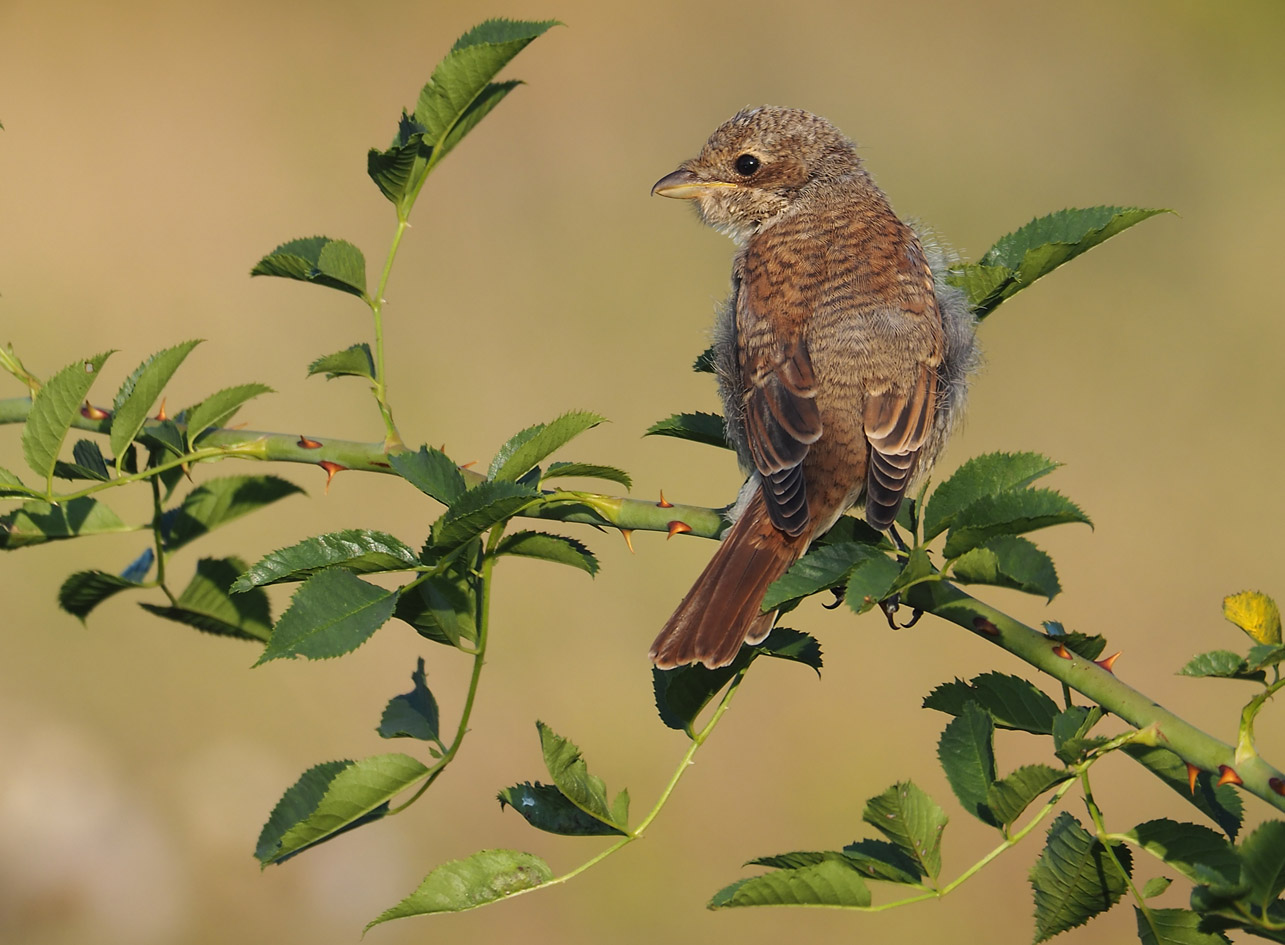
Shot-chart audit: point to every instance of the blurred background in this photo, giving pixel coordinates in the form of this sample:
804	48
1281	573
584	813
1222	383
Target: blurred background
152	152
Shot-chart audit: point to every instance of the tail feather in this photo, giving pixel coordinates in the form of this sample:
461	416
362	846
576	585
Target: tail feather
722	610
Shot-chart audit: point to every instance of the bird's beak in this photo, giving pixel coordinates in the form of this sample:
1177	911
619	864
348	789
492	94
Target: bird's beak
685	185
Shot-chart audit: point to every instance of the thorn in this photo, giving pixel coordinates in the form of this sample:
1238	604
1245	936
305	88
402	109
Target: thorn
890	606
1277	785
90	412
982	625
677	528
471	462
1109	661
381	465
308	444
662	503
1062	651
160	414
331	469
1227	775
839	594
1192	773
914	619
628	535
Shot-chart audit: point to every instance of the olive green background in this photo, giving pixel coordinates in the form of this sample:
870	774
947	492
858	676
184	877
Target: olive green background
152	152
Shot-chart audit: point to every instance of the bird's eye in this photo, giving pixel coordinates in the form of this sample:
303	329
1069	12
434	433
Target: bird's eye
747	164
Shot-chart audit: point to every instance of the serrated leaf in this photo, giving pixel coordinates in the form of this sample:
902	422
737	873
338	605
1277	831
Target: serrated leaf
1256	614
413	714
705	362
483	506
355	794
471	882
1192	850
987	475
295	805
1090	647
206	604
822	567
85	590
353	361
358	550
1221	804
870	582
698	427
524	451
397	171
219	501
88	463
1263	656
546	808
441	608
571	776
331	614
873	859
1013	702
1009	513
966	751
336	264
1009	561
1156	886
432	472
11	485
1074	879
36	522
588	471
217	409
136	396
983	285
1011	795
1070	731
1262	854
53	410
1223	664
828	883
556	548
912	820
1174	927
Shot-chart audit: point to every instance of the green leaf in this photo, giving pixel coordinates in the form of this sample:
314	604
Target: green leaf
822	567
1010	796
1221	804
870	582
354	361
296	805
356	794
588	471
571	775
1009	513
912	820
441	608
218	502
873	859
1156	886
432	472
35	522
828	883
704	363
1264	655
1174	927
1013	702
358	550
698	427
331	614
556	548
85	590
1090	647
966	751
88	463
1070	732
546	808
981	284
1074	879
474	881
1262	854
987	475
11	485
1223	664
136	396
53	410
412	714
206	605
336	264
217	409
478	509
1009	561
524	451
1192	850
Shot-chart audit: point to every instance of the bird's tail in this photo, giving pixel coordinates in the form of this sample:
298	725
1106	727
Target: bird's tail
721	611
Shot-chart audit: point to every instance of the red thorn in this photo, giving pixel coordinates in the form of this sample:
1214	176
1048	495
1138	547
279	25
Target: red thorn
982	625
1109	661
1192	773
160	414
381	465
1062	651
308	444
628	535
677	528
1277	785
471	462
90	412
331	469
1227	775
662	503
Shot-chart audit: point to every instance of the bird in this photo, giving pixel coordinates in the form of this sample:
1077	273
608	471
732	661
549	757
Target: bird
842	356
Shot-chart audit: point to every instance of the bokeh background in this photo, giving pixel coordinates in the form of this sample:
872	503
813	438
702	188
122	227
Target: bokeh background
153	151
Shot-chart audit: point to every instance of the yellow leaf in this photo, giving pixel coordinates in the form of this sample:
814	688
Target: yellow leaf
1256	614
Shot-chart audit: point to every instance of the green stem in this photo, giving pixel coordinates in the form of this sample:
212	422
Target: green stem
1095	814
157	512
392	438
